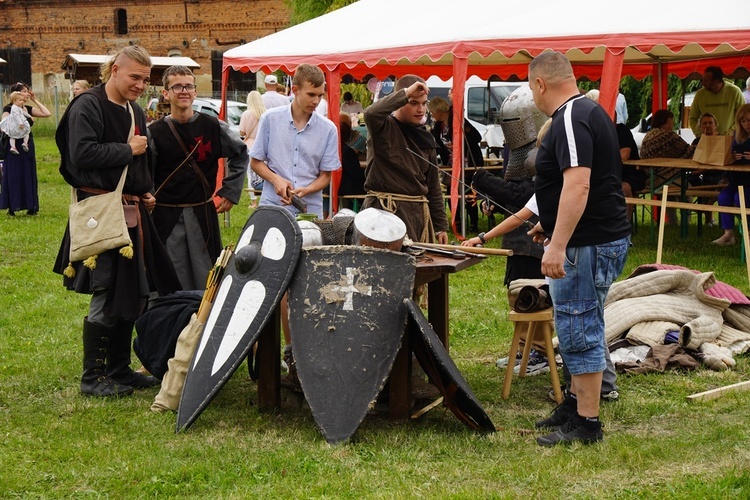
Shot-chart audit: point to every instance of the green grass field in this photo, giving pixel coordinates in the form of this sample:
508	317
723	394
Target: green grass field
57	443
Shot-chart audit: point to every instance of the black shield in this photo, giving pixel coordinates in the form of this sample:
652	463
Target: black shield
256	278
347	319
443	372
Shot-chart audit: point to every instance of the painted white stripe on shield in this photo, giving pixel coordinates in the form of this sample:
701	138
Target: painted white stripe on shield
274	245
221	297
245	238
245	311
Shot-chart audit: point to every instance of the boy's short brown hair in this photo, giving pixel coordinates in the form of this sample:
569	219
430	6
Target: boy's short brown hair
407	81
308	73
176	70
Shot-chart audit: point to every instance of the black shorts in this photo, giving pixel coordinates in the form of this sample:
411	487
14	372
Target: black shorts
522	267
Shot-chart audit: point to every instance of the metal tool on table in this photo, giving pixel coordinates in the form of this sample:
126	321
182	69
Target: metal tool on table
454	254
474	251
297	201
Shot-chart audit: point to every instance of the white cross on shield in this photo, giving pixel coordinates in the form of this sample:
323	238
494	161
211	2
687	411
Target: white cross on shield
350	289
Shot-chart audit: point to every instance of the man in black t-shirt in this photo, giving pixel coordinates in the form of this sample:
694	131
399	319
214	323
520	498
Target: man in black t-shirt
583	221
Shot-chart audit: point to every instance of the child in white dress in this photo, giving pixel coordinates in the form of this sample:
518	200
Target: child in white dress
16	125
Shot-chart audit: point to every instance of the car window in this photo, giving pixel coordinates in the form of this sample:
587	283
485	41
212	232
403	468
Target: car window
479	100
234	114
205	110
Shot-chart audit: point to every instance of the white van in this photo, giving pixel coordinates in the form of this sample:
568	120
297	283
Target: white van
481	104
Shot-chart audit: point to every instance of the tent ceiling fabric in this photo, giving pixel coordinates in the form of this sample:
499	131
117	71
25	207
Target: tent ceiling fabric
498	40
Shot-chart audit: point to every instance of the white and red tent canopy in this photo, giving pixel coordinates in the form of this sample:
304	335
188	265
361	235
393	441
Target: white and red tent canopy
450	38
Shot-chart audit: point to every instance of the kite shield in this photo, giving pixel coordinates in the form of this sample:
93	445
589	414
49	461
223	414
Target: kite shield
257	277
443	372
347	319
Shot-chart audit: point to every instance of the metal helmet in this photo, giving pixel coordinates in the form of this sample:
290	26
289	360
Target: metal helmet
520	119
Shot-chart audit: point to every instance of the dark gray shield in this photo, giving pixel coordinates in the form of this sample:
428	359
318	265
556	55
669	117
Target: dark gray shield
347	319
443	372
256	279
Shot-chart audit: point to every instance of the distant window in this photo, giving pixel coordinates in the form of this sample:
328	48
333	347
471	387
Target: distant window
479	102
121	22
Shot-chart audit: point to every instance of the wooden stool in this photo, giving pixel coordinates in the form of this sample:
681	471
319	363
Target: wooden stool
528	325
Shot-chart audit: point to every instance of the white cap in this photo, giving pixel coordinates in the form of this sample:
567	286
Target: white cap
271	80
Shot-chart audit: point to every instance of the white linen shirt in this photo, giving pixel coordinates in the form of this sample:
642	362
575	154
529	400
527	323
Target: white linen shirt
273	99
298	156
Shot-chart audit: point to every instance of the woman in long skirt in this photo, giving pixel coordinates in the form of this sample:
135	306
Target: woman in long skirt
19	179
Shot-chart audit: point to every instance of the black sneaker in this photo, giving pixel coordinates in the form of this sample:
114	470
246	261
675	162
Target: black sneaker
572	432
537	365
605	396
560	415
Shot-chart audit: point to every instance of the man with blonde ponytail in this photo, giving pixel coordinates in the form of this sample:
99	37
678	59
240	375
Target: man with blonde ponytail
102	132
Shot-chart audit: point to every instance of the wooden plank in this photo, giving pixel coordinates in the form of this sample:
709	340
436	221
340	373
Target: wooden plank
708	193
684	164
684	205
662	223
718	392
743	221
427	408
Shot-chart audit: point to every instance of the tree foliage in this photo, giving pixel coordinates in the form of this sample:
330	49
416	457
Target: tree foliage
304	10
359	93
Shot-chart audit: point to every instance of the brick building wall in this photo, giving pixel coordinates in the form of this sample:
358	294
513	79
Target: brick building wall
52	29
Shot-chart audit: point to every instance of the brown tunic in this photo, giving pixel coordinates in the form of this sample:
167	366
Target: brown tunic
393	169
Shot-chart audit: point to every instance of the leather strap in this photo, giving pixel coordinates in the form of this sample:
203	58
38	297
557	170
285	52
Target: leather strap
190	160
121	183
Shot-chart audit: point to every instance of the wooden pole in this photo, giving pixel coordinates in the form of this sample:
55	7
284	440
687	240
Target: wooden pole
743	221
720	391
478	250
662	221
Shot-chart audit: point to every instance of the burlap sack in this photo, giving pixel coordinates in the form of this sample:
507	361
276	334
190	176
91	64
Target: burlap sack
177	367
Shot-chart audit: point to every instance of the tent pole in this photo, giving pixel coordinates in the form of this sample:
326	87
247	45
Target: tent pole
610	84
222	116
333	90
460	68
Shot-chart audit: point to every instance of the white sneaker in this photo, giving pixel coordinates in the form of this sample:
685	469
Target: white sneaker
537	365
502	363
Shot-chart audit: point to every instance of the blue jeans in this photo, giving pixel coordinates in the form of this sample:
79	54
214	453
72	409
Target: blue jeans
730	197
578	300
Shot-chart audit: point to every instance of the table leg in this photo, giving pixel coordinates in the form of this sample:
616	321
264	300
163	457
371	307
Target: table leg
651	190
684	213
437	308
399	383
268	354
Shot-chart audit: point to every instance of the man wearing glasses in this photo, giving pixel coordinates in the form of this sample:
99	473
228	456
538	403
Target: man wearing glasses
186	147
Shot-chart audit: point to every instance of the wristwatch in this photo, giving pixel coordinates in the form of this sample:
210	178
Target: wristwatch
481	238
